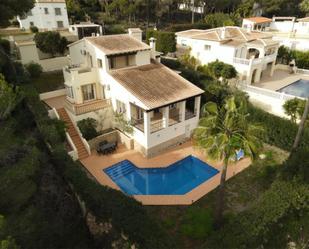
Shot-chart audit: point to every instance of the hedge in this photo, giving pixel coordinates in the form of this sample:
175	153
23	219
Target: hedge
278	131
125	213
285	55
166	41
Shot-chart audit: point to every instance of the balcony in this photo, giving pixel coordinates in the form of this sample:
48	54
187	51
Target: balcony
189	114
247	62
91	106
79	75
156	123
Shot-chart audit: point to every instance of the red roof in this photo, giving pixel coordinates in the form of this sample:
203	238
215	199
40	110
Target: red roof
258	19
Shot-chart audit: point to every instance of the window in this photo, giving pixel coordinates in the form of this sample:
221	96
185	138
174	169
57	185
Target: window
58	11
111	62
69	91
88	92
172	106
46	11
60	24
99	62
91	61
31	23
207	47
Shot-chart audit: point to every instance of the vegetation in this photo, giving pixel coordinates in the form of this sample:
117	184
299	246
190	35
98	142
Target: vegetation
34	69
294	108
219	19
88	127
10	9
123	124
34	29
222	131
166	41
285	55
48	81
50	42
219	69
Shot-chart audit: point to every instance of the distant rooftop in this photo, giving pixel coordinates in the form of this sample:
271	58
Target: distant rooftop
155	85
258	19
229	35
117	44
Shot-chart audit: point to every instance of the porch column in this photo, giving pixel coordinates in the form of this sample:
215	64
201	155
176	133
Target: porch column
182	111
165	116
197	106
146	123
257	76
272	68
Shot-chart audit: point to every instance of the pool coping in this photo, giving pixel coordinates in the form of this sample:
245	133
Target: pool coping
279	90
186	199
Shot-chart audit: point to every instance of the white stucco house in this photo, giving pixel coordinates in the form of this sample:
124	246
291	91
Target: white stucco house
46	15
288	31
122	72
251	53
84	29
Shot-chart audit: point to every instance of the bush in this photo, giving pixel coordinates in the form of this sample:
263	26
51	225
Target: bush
34	69
88	128
34	29
166	41
219	69
285	55
219	20
197	223
277	131
51	42
173	64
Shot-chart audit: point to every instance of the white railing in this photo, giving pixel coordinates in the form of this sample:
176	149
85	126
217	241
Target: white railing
266	92
241	61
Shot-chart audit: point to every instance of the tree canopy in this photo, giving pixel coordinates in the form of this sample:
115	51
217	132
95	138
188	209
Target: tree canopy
11	8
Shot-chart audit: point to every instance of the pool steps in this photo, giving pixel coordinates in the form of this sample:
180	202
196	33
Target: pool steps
119	169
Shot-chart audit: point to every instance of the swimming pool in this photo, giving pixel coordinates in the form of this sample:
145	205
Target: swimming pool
177	179
299	88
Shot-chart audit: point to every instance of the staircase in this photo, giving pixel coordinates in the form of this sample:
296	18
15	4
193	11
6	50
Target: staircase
81	150
120	169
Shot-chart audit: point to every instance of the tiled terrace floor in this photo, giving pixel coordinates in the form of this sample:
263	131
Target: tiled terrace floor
96	163
281	78
56	102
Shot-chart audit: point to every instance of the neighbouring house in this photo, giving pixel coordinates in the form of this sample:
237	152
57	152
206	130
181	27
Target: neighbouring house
252	53
124	74
85	29
46	15
288	31
191	6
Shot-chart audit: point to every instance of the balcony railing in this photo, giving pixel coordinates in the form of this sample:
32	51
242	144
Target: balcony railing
155	125
79	109
174	118
241	61
189	114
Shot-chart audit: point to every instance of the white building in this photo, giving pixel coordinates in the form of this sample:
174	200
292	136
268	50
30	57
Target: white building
123	72
82	30
46	15
191	6
251	53
288	31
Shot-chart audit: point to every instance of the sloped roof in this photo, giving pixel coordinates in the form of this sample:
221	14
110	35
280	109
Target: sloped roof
258	19
229	35
117	44
155	85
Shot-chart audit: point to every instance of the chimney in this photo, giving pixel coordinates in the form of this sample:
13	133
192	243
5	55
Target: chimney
136	33
152	44
222	33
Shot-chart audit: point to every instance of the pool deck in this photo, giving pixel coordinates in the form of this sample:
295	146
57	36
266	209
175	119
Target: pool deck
96	163
280	79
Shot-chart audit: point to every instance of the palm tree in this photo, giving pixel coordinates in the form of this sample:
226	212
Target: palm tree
221	132
301	126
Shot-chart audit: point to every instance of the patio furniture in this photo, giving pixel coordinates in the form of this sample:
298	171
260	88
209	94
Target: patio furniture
106	148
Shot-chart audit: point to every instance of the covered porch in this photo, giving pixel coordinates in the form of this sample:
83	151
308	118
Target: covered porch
163	117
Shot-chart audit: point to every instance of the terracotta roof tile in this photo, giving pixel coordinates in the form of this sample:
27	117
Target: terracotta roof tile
155	85
258	19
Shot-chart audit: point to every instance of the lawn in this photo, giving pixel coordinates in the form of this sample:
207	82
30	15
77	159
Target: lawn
190	226
49	81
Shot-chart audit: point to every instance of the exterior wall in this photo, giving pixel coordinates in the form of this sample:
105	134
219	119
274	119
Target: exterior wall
45	21
293	43
28	53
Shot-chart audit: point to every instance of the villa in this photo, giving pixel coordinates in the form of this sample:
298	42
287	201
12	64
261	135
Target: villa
120	75
252	53
46	15
288	31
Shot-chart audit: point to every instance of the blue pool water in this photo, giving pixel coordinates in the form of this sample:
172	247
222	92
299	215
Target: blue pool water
176	179
299	88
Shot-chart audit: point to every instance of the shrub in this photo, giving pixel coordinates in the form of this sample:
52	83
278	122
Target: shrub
219	20
166	41
50	42
197	223
34	69
219	69
88	128
277	131
5	45
173	64
34	29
